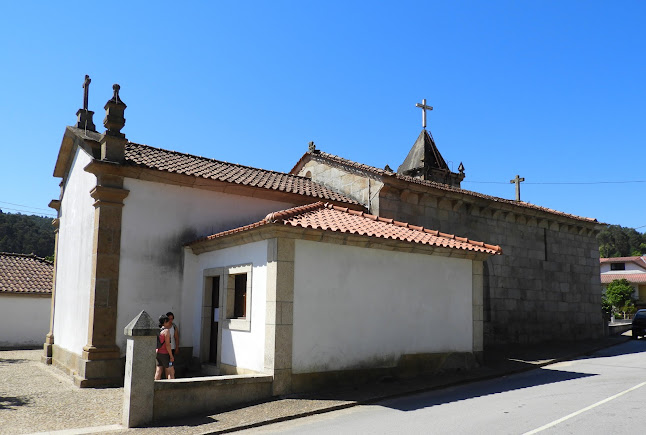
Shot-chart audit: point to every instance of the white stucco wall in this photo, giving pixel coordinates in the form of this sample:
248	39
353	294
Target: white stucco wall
25	320
157	219
74	257
358	307
239	348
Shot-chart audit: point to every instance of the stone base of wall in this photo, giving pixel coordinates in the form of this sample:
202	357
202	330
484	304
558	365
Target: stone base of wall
408	366
198	396
88	373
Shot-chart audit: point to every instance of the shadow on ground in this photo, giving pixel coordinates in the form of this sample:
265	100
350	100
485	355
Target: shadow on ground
12	360
486	388
12	402
186	421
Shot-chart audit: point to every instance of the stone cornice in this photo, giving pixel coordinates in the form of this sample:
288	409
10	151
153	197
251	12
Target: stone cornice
66	152
502	209
108	195
271	231
55	204
392	181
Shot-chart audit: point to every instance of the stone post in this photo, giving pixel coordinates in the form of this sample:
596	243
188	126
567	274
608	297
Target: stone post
279	328
139	383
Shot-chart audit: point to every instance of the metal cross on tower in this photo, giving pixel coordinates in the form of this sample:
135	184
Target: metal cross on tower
86	91
517	181
424	108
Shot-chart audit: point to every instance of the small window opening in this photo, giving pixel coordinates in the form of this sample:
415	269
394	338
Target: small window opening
240	297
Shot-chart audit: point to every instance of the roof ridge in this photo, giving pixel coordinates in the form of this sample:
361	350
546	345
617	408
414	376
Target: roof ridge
222	161
32	255
441	186
417	228
300	216
291	212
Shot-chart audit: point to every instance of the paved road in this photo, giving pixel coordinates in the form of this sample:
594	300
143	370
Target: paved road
601	394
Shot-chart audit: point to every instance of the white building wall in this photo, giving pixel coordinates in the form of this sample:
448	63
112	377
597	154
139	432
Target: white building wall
74	257
25	320
157	220
243	349
358	307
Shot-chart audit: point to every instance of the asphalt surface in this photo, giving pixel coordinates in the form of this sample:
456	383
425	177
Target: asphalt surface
38	398
600	394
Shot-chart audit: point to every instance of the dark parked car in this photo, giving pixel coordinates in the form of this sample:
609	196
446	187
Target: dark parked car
639	324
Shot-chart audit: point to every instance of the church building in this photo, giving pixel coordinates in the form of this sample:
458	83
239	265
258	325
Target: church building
336	270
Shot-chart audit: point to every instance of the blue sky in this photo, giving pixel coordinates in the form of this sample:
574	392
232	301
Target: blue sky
553	91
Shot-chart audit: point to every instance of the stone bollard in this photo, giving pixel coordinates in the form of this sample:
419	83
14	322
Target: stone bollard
139	384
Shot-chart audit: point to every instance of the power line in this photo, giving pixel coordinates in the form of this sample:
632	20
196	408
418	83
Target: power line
25	206
560	183
29	211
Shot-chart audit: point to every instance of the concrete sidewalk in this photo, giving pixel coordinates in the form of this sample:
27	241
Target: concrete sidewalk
499	362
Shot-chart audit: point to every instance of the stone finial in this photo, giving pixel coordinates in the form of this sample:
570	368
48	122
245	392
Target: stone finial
461	168
388	168
311	147
141	325
114	114
84	116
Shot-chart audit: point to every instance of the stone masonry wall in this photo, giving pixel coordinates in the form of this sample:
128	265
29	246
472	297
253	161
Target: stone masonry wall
354	184
546	284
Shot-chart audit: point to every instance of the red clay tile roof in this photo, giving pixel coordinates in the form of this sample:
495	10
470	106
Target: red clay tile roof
636	278
639	261
180	163
28	274
328	217
384	173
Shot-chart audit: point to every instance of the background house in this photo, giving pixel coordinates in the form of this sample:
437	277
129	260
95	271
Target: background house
633	269
25	299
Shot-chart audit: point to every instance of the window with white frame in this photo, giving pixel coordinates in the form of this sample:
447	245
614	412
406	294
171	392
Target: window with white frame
238	297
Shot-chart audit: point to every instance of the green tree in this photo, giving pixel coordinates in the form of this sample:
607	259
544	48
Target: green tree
619	295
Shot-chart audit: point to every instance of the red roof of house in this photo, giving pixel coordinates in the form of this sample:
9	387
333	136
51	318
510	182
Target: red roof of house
441	186
328	217
20	273
635	278
187	164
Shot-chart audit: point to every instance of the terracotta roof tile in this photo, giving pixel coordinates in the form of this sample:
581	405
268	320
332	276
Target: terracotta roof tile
180	163
384	173
328	217
20	273
637	278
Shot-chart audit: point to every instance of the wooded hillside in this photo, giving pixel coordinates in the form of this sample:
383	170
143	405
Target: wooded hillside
26	234
618	241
